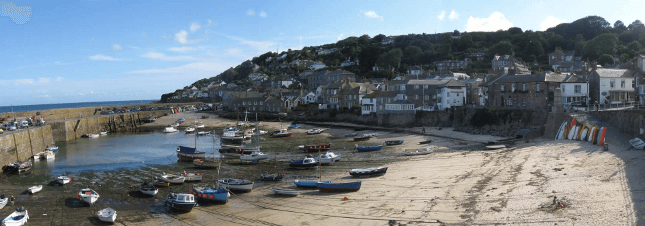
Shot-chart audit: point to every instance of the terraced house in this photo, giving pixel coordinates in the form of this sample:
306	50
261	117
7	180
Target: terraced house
534	91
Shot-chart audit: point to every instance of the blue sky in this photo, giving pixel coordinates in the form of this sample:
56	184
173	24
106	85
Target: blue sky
81	51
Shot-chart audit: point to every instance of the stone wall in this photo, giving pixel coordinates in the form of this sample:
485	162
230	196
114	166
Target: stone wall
21	145
630	122
72	129
499	122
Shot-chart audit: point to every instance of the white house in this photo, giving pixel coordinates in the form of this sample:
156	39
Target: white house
453	94
201	94
612	86
309	98
415	71
575	91
317	65
400	106
347	63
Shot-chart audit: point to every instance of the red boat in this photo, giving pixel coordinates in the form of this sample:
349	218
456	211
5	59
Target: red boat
281	133
312	147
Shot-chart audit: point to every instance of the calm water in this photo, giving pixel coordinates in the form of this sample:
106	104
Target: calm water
40	107
122	150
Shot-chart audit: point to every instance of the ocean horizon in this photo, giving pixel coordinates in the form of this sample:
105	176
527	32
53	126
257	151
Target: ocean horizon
41	107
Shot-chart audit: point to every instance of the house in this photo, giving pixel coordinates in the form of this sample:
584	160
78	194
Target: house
325	77
451	65
310	98
566	61
352	94
612	86
639	76
317	65
575	91
387	40
415	71
400	106
451	94
534	91
375	102
348	63
508	65
474	93
201	94
305	63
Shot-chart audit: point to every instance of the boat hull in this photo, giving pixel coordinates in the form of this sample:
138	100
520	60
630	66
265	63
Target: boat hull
189	157
235	185
393	142
291	193
211	195
308	183
339	187
368	172
150	191
181	206
369	148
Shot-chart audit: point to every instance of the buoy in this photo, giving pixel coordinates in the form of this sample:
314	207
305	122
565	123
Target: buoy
345	199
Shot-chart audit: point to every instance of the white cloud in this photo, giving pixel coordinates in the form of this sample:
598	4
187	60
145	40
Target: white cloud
259	46
550	22
195	27
104	57
441	15
453	15
494	22
181	37
373	15
160	56
44	80
263	14
250	12
340	36
24	81
117	47
185	49
58	79
209	22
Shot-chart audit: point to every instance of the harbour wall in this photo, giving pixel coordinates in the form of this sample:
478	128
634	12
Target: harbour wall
67	130
630	122
21	145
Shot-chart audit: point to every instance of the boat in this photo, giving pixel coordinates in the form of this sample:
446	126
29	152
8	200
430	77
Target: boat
368	171
173	179
169	129
93	135
63	179
294	126
314	131
174	125
209	194
235	152
161	183
18	217
17	167
368	148
192	176
271	177
208	162
305	163
106	215
231	138
425	142
637	143
188	154
34	189
181	120
361	138
52	147
49	155
494	147
316	148
3	200
281	133
148	188
351	134
236	184
339	187
203	133
255	156
308	183
422	151
104	132
38	156
393	142
558	135
88	196
230	129
190	129
199	126
180	202
291	193
328	158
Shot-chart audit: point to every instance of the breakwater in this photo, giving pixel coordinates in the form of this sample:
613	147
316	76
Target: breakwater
21	145
71	129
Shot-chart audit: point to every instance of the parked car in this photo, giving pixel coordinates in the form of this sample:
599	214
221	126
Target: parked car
107	112
9	127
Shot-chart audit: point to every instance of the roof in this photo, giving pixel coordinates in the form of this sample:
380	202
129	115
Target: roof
431	82
573	79
505	57
530	78
401	102
613	73
554	77
453	83
381	94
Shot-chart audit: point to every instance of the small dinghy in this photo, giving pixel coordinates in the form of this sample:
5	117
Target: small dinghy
148	188
339	187
63	179
103	133
3	201
422	151
190	129
18	217
192	176
271	177
173	179
180	202
314	131
291	193
494	147
368	171
106	215
35	189
637	143
393	142
236	184
308	183
368	148
88	196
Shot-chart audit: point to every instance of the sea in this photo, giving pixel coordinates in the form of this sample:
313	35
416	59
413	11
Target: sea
40	107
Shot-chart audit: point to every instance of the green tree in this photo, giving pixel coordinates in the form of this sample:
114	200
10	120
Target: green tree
606	59
600	45
502	48
619	26
580	44
515	30
412	55
390	59
465	42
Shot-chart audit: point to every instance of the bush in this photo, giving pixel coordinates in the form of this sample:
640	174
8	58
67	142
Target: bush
482	118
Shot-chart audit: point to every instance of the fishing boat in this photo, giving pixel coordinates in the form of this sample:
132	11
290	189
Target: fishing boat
305	163
368	171
281	133
294	126
34	189
425	142
50	155
271	177
104	132
148	188
308	183
93	135
255	156
173	179
314	131
3	201
106	215
209	194
203	133
368	148
292	193
17	167
161	183
192	176
38	156
351	134
339	187
637	143
314	147
63	179
393	142
18	217
328	158
52	147
362	138
180	202
88	196
188	154
236	184
169	129
190	129
422	151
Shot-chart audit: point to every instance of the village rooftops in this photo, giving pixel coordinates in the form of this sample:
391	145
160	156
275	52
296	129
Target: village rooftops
530	78
614	73
573	79
376	94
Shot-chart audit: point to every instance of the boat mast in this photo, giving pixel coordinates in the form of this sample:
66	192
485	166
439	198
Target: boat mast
195	127
319	166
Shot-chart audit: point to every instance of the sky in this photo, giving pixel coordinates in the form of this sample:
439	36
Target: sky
104	50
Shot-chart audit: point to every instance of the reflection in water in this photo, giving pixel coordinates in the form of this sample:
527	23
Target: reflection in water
122	150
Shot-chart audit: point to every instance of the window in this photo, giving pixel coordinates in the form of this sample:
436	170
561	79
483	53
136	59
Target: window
416	97
434	97
523	86
642	88
577	88
426	97
255	103
501	87
622	83
564	88
611	83
260	103
416	86
243	103
537	87
512	87
425	86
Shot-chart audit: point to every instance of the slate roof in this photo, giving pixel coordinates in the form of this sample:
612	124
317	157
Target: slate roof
381	94
613	73
530	78
573	79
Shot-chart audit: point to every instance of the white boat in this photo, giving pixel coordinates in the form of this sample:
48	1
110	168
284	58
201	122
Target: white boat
175	124
38	156
236	184
35	189
3	201
106	215
173	179
18	217
148	189
422	151
88	196
49	155
203	133
286	192
199	126
255	156
328	158
262	132
190	129
169	129
192	176
637	143
63	179
315	131
104	132
93	135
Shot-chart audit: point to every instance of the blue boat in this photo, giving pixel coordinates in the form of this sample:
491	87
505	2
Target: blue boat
52	147
305	163
309	183
207	194
180	202
181	120
339	187
294	126
368	148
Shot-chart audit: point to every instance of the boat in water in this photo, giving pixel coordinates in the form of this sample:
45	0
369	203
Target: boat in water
88	196
339	187
103	133
307	162
169	129
52	147
190	129
188	154
236	184
49	155
328	158
368	171
210	194
107	215
180	202
17	167
368	148
18	217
